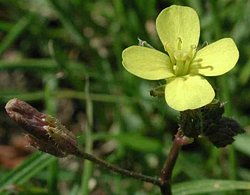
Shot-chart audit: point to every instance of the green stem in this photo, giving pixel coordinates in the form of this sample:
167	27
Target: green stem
87	170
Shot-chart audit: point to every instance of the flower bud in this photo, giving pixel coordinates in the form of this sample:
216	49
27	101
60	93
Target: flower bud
158	91
45	132
45	146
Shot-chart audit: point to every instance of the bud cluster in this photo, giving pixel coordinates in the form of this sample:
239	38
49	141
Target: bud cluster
209	121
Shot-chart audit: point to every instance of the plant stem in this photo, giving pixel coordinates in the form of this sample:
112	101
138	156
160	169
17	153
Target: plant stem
164	182
166	172
104	164
87	169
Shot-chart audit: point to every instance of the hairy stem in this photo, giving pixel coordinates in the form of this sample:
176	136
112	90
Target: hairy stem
104	164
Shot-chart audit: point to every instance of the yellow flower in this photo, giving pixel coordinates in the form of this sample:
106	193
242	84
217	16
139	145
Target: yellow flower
184	67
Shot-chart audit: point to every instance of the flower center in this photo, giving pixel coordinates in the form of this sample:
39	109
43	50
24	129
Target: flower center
181	60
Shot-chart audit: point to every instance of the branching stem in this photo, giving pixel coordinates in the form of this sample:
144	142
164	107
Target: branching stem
166	172
164	182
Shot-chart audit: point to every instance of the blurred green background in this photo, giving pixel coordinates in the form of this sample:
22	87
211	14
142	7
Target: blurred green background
64	58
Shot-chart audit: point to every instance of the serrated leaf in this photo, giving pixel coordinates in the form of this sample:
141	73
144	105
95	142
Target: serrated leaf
222	132
208	121
208	186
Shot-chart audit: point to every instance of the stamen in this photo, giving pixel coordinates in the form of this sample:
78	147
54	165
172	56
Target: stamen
179	43
198	60
169	51
205	67
180	55
204	44
166	46
197	65
193	53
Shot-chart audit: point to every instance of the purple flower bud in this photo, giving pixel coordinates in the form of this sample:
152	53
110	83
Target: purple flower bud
28	117
45	146
45	132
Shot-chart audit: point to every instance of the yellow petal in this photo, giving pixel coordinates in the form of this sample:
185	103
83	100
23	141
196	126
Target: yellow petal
218	57
147	63
178	22
188	92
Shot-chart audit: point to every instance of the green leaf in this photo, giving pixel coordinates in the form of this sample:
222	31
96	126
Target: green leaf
15	31
207	186
138	142
30	167
69	25
242	143
133	141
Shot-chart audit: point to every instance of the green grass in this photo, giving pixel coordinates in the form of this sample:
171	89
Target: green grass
50	50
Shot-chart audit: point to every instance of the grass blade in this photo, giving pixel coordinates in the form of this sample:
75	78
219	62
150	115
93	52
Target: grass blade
30	167
207	186
14	32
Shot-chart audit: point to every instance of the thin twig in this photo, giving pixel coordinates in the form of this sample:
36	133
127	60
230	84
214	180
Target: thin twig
104	164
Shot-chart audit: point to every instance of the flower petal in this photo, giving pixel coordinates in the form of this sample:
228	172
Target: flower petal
218	57
177	22
147	63
188	92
